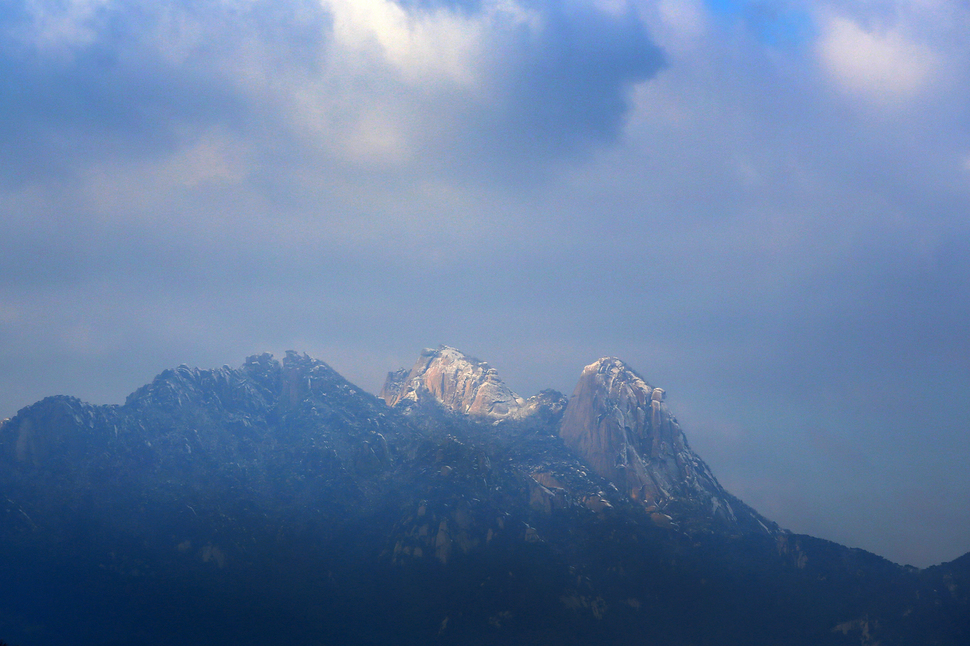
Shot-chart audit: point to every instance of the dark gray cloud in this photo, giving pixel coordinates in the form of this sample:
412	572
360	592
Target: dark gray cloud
67	104
572	83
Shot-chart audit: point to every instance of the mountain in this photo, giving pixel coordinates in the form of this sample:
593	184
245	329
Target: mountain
621	427
462	384
278	503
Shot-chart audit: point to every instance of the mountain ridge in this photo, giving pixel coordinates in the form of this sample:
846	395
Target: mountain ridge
286	500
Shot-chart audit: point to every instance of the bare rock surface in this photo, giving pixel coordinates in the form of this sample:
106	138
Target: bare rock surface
621	427
460	383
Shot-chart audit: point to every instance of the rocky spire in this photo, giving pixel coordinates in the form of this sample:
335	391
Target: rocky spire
621	427
460	383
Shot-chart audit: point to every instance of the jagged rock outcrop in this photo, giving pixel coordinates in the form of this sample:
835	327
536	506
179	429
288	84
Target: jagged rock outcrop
460	383
615	422
619	425
465	385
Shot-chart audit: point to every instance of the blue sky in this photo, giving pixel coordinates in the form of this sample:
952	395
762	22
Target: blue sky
761	206
778	24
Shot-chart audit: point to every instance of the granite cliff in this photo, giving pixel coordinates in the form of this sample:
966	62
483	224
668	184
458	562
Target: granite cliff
621	427
460	383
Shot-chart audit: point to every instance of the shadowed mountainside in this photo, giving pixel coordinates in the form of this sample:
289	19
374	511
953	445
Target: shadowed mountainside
277	502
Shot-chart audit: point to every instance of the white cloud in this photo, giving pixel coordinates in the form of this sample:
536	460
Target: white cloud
179	35
680	24
214	159
422	46
390	76
885	65
381	58
64	25
377	136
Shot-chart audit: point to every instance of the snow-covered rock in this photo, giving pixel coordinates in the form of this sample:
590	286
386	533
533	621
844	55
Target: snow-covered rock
460	383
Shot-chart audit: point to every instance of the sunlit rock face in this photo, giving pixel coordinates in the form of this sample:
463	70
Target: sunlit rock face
460	383
621	427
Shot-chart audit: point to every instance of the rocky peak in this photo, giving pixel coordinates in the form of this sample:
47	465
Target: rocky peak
460	383
619	425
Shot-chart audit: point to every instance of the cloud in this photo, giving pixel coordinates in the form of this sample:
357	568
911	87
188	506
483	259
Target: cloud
60	27
884	65
681	23
516	82
430	45
562	85
891	54
457	86
97	85
304	127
